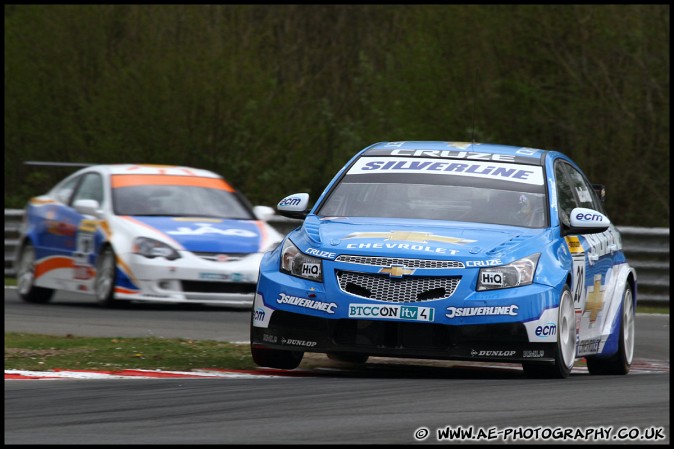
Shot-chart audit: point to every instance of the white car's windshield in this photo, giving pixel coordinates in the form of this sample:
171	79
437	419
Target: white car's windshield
178	200
423	195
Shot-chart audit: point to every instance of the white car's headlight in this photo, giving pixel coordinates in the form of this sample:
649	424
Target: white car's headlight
515	274
299	264
152	248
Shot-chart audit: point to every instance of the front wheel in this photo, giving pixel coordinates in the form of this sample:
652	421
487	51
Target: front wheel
566	343
621	361
105	278
25	276
273	358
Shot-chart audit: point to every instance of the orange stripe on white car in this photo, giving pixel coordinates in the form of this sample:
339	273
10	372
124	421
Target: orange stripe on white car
264	236
121	264
169	180
52	263
41	202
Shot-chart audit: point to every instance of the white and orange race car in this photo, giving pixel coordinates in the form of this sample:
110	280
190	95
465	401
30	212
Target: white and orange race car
144	233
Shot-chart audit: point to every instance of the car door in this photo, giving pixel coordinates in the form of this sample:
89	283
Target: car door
593	258
86	242
56	233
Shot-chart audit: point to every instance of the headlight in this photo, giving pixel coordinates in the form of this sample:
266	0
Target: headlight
299	264
152	248
515	274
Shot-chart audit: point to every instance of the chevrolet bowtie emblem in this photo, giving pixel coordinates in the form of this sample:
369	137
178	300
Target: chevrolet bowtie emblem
460	145
595	299
409	236
397	271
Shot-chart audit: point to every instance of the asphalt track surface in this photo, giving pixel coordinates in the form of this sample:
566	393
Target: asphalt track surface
382	402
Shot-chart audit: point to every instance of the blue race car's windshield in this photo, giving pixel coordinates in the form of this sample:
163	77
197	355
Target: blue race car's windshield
178	200
478	192
441	189
437	202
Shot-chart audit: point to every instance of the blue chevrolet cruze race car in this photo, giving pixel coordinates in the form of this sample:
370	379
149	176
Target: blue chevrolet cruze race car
454	251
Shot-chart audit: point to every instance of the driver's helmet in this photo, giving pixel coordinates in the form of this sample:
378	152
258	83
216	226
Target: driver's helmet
525	204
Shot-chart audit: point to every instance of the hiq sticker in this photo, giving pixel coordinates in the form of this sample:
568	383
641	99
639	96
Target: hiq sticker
311	269
492	279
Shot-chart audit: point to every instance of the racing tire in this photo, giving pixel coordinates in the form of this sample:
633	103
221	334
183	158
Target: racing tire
620	362
273	358
565	355
106	277
25	277
348	357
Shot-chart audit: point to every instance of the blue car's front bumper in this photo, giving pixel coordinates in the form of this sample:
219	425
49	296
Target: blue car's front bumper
510	325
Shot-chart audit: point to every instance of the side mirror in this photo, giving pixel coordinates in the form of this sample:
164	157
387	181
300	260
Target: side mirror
263	213
294	206
87	207
587	221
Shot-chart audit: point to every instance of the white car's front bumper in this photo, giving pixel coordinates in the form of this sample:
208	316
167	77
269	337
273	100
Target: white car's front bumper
191	279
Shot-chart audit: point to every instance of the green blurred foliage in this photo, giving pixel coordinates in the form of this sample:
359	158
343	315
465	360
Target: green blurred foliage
277	98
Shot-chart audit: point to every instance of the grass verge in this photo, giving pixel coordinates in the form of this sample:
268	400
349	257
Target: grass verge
648	308
44	352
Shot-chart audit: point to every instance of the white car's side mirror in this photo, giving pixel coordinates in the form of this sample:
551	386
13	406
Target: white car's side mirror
87	207
263	213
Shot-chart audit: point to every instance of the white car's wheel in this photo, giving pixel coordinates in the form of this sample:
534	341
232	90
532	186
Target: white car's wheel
565	356
105	278
25	277
621	361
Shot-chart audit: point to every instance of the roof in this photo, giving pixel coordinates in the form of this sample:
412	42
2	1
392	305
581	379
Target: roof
457	150
150	169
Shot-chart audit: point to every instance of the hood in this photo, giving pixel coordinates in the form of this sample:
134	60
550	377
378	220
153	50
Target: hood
411	238
208	234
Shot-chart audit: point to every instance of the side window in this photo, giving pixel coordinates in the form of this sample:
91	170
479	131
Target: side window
585	195
565	198
91	188
65	191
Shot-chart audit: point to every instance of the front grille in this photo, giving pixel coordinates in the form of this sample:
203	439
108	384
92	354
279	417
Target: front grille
217	287
215	257
384	288
407	263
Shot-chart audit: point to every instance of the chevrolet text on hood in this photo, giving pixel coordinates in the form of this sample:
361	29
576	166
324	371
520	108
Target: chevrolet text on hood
450	250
